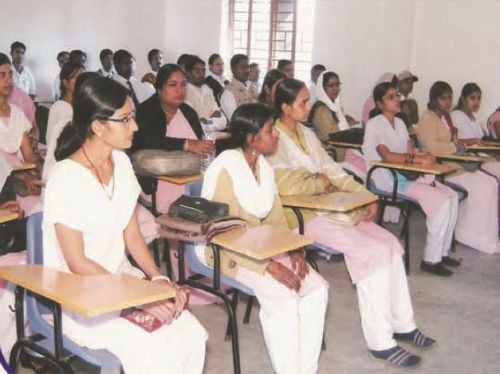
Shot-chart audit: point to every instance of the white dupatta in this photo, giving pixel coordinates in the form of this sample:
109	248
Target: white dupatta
254	197
334	106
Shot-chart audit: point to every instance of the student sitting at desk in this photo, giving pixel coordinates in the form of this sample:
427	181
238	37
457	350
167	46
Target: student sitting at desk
89	233
293	297
387	139
373	255
477	224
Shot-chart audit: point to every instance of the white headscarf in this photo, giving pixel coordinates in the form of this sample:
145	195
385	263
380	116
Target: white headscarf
334	106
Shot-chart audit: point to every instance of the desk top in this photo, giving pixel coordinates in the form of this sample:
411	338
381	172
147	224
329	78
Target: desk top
345	145
183	179
463	158
261	242
24	166
86	295
336	202
484	148
222	135
490	143
6	216
436	169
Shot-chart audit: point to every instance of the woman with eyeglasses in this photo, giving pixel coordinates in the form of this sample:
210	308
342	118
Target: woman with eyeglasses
478	223
166	122
61	111
90	234
386	139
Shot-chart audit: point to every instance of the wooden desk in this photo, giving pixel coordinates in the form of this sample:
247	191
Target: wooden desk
461	158
183	179
222	135
483	148
6	216
337	201
490	143
88	296
345	145
24	166
261	242
436	169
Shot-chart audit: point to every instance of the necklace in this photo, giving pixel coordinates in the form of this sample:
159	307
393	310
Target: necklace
110	196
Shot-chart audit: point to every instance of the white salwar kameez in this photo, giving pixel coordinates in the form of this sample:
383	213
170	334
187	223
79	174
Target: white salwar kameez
292	322
178	347
439	202
373	255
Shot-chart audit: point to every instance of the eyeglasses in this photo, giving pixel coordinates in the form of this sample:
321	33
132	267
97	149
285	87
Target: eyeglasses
123	121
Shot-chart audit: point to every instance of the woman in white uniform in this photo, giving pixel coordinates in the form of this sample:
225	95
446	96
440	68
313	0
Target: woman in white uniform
88	233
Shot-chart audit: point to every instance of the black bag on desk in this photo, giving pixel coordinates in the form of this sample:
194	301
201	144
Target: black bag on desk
353	136
197	209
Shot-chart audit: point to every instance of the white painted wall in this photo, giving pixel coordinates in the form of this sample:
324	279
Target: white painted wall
452	40
46	27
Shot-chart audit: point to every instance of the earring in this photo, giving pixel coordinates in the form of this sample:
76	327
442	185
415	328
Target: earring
254	153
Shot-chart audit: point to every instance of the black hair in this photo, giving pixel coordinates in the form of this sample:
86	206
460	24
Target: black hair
272	76
97	98
152	53
82	78
67	71
60	54
249	119
121	55
283	63
192	61
286	92
213	57
437	89
105	53
253	65
17	44
236	59
181	61
76	54
164	73
318	67
4	59
467	90
327	76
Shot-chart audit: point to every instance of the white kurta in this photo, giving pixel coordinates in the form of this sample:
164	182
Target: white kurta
59	115
439	202
467	128
180	345
12	129
202	100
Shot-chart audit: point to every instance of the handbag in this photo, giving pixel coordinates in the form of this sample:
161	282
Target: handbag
352	136
197	209
157	162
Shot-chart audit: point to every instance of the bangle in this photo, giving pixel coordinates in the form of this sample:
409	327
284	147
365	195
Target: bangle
160	277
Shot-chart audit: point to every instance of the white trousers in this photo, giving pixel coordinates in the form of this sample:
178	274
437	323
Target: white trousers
178	348
292	322
385	305
440	205
477	224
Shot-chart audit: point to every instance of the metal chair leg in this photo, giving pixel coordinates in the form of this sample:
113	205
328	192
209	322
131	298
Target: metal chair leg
234	304
248	310
156	252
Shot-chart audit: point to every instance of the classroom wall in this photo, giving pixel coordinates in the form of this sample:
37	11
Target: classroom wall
48	26
452	40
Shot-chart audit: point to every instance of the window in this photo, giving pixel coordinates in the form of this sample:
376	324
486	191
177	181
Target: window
270	30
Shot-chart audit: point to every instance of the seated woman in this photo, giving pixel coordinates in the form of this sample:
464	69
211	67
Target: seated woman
272	78
468	127
166	122
15	142
293	297
61	112
373	255
477	224
89	235
493	124
387	139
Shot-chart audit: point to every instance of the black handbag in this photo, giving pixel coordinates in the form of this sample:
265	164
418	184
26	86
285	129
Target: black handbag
197	209
353	136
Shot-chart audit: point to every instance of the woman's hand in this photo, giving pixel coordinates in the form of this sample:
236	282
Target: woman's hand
370	212
425	159
299	263
11	206
163	310
181	296
284	275
327	184
199	147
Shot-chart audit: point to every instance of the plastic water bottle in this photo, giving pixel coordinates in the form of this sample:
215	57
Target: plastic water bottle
209	134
